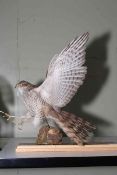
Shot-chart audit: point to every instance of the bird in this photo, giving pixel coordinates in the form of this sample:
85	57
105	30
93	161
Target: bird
66	73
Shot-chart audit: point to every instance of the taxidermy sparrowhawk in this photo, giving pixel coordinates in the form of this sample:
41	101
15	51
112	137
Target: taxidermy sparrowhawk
65	75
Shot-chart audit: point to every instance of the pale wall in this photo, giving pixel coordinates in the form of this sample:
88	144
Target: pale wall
32	31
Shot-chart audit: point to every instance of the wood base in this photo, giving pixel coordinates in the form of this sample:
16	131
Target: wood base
66	148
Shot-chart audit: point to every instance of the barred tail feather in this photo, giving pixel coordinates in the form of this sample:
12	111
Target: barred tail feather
76	128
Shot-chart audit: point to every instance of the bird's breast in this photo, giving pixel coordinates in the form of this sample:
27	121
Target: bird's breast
33	103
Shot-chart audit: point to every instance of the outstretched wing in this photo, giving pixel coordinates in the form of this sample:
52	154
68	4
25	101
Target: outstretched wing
66	73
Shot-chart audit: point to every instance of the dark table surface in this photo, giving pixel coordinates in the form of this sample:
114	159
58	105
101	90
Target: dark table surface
10	159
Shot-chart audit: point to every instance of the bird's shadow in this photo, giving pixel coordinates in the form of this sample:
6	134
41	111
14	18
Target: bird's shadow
6	99
97	75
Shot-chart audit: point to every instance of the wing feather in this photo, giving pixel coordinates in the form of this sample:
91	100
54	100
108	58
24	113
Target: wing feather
66	73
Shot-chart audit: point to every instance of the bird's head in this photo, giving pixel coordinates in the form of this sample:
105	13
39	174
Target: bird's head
23	86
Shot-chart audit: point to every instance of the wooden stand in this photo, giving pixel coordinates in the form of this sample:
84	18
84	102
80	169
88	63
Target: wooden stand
66	148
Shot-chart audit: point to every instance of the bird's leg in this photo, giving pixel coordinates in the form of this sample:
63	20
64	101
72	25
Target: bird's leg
47	123
42	134
17	120
43	125
7	116
49	134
